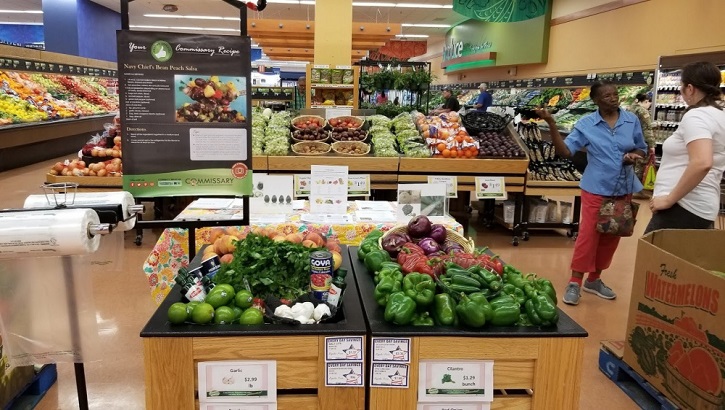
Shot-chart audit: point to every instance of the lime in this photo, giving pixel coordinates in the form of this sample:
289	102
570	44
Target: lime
190	307
219	298
243	299
237	312
252	316
224	286
224	315
202	314
177	313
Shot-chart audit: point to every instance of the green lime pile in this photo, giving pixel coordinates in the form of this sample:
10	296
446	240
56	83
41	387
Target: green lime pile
222	306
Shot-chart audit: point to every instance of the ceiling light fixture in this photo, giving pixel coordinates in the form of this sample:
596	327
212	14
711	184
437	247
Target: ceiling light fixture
20	23
185	28
171	8
411	35
182	16
21	11
426	25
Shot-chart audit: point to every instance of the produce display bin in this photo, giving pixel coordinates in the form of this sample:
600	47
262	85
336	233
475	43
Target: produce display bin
87	181
171	354
534	368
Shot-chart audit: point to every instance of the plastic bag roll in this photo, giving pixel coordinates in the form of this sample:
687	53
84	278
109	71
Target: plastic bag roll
89	199
58	232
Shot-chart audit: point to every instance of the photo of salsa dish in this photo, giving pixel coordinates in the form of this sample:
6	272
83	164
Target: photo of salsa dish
212	100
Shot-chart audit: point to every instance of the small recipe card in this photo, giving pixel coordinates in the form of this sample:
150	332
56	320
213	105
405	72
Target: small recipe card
451	182
455	381
232	381
357	185
328	190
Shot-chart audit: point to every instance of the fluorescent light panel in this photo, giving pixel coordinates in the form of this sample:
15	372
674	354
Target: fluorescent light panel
426	25
181	16
186	28
411	35
22	23
21	11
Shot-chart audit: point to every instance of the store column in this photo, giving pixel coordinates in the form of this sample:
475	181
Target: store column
333	32
80	28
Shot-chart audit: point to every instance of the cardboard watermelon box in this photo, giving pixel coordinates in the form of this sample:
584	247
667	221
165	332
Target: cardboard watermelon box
676	328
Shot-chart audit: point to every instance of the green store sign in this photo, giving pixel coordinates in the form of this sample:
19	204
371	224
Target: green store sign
502	11
476	44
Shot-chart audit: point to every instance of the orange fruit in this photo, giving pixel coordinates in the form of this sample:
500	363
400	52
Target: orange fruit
446	153
454	153
441	147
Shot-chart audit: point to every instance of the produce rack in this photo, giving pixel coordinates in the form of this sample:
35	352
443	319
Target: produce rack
535	368
395	78
171	354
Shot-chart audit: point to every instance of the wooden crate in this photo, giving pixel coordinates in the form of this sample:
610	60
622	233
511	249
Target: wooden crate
355	164
172	353
87	181
533	368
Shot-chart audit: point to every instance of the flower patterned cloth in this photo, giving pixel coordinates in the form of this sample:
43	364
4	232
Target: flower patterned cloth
171	251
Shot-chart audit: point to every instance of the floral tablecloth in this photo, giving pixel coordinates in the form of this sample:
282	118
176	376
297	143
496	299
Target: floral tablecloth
171	251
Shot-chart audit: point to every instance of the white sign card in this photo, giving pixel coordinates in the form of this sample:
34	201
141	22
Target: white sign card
454	406
391	349
345	348
393	375
374	206
244	381
337	112
421	199
375	216
272	194
455	381
451	182
344	374
491	188
328	191
357	185
237	406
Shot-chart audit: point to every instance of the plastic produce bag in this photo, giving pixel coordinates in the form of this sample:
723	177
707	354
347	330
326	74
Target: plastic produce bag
650	174
47	316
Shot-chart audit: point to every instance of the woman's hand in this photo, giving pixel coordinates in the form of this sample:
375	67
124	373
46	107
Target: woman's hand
630	158
544	114
660	203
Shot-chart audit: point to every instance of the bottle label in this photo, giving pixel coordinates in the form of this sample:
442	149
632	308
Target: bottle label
333	298
196	292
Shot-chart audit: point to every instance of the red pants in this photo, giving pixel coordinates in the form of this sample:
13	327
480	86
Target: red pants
593	251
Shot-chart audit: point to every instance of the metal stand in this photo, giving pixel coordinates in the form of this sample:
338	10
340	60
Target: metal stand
70	292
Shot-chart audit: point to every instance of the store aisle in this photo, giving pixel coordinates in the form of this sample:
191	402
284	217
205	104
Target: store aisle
124	305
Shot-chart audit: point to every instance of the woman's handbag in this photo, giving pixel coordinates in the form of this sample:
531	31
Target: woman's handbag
618	214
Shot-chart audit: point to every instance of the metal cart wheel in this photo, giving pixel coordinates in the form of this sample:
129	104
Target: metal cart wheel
569	233
525	236
139	240
515	241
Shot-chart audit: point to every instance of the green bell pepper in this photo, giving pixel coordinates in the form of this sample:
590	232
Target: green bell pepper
456	288
517	280
524	320
470	312
388	273
465	280
420	287
545	307
375	258
480	298
366	247
534	317
517	293
422	319
400	309
490	279
386	287
391	265
444	309
506	314
545	286
374	234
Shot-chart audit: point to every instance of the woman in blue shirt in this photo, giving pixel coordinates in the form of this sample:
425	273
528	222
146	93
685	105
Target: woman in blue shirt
613	141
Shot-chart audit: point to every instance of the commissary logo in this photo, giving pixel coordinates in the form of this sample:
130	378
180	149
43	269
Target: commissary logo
208	181
161	51
221	50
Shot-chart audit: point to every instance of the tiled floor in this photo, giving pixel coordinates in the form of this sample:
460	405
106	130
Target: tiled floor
124	305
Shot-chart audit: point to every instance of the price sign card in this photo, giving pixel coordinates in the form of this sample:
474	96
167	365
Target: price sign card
455	381
302	185
344	348
391	349
394	375
238	381
421	199
328	190
237	406
344	374
490	188
450	181
454	406
358	185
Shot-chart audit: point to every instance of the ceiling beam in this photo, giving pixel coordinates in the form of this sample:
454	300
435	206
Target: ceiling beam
306	30
300	43
302	52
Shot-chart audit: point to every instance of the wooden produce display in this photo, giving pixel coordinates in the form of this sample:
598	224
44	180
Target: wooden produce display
172	352
534	368
383	170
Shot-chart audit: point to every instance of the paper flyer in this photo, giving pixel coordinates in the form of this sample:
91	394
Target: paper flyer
328	190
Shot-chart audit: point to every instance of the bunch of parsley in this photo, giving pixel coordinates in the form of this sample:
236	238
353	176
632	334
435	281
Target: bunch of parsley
280	269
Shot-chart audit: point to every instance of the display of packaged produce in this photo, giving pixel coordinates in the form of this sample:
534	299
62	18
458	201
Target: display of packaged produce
545	164
101	156
382	138
348	134
445	136
455	284
27	98
408	138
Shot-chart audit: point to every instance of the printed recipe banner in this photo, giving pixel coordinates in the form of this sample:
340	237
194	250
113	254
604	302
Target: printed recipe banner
185	114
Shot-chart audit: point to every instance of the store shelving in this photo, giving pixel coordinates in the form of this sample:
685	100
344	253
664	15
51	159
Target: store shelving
337	84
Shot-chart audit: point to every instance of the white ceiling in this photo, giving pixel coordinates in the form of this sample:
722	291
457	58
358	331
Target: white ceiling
139	8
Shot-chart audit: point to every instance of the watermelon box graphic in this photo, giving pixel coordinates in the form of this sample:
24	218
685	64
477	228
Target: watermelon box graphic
676	328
